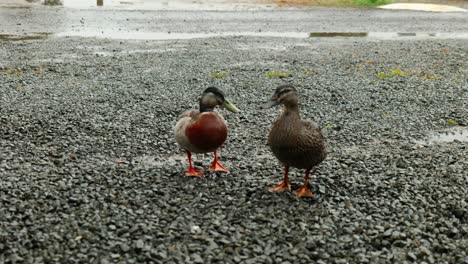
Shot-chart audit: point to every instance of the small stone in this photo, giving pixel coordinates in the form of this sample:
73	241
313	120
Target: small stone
412	256
195	229
424	251
124	247
196	258
139	244
388	232
395	235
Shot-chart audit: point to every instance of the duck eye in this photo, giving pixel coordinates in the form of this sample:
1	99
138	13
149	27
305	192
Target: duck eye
284	92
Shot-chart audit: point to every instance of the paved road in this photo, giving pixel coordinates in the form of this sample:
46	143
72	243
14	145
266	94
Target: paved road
56	20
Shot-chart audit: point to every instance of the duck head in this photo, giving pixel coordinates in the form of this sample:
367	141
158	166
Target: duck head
285	95
212	97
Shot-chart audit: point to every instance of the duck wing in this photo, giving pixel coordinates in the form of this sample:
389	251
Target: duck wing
303	149
189	113
184	120
313	142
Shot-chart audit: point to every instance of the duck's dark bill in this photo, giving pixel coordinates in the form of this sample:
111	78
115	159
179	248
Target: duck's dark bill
269	104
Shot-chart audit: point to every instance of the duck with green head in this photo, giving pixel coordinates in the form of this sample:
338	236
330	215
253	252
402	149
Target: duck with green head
294	142
204	130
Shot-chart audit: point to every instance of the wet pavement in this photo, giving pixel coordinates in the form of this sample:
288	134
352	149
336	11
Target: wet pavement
138	22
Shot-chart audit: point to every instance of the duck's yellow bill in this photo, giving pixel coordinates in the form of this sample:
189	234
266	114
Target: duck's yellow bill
230	107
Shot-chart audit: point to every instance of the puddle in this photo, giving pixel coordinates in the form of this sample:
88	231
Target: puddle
420	35
390	35
113	53
337	34
140	35
459	134
34	36
423	7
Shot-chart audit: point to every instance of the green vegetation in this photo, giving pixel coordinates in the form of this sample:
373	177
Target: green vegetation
309	73
16	72
431	77
53	2
371	3
218	75
383	75
392	73
452	122
279	74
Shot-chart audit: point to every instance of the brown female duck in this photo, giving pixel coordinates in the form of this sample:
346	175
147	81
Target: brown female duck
294	142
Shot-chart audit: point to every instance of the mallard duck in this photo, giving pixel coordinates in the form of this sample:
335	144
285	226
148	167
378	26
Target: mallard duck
295	142
204	130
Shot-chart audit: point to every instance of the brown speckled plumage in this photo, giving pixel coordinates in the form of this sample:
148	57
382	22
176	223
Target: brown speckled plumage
296	143
293	141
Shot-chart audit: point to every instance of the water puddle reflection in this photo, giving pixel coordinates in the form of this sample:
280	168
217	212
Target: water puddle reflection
33	36
390	35
435	7
456	134
139	35
337	34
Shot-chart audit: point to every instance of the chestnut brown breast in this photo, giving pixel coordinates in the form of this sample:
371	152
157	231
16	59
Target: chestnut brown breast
208	133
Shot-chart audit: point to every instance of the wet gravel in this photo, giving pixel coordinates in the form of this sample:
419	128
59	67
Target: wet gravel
90	172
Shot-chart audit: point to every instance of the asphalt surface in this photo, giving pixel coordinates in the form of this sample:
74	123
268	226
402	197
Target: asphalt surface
90	172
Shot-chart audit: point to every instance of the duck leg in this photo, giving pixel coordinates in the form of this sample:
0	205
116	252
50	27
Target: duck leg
304	189
216	166
284	185
192	172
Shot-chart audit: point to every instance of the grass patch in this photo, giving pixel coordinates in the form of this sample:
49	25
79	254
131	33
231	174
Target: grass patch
218	75
431	77
53	2
341	3
278	74
452	122
398	72
371	3
392	73
309	73
16	72
383	75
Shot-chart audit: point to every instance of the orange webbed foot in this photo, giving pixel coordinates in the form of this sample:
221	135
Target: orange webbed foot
283	186
216	166
194	173
303	191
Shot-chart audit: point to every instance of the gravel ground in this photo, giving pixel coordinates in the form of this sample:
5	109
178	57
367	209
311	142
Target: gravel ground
90	172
